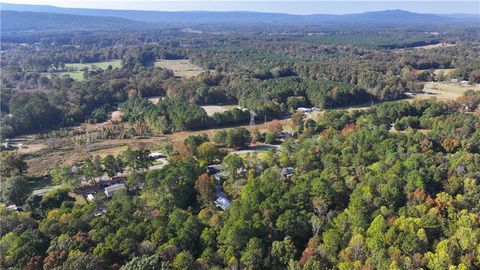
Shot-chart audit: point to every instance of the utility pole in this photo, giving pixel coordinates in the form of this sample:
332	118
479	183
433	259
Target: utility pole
252	119
252	127
89	143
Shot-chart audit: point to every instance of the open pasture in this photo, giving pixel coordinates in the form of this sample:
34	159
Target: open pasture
74	70
211	109
181	67
445	91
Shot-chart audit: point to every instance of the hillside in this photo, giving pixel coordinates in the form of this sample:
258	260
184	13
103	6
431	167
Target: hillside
31	21
387	17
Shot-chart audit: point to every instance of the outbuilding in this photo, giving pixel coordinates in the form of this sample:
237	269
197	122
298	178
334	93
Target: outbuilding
110	190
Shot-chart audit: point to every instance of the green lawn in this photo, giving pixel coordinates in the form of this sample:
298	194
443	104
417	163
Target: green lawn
103	65
78	75
75	75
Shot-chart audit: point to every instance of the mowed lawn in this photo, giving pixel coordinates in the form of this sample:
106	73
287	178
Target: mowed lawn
77	75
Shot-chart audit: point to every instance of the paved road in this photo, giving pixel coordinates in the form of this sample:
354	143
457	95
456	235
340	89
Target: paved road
257	148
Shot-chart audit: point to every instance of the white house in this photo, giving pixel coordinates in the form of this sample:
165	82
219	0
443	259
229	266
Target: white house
223	203
305	110
222	200
110	190
156	155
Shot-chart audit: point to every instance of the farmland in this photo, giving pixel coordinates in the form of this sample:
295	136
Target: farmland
181	68
445	91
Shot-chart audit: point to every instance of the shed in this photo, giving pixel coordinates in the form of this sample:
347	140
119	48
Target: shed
90	197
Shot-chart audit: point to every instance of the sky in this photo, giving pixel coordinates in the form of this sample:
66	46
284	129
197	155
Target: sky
292	7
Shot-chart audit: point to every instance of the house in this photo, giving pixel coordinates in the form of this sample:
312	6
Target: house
109	191
90	197
305	110
287	172
99	213
454	80
220	176
12	207
223	203
156	155
213	169
222	200
285	134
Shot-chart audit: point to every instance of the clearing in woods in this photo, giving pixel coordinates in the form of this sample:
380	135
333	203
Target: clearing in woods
433	46
445	91
181	67
75	70
211	109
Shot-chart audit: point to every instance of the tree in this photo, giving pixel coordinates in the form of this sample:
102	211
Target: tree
205	189
12	165
275	127
88	170
253	255
298	121
282	252
183	261
220	137
441	259
83	261
152	262
61	174
270	138
232	163
15	190
112	165
137	160
194	142
208	152
237	137
97	166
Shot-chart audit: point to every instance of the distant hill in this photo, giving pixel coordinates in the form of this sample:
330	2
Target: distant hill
189	18
12	21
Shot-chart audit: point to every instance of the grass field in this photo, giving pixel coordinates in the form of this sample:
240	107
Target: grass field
103	65
77	74
433	46
211	109
446	91
446	71
181	68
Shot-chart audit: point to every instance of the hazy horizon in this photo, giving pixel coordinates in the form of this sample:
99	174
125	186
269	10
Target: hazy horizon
290	7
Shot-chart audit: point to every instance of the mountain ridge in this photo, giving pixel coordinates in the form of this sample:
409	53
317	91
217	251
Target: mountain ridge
191	18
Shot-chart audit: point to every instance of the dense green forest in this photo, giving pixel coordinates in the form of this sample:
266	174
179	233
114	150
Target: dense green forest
363	196
271	74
